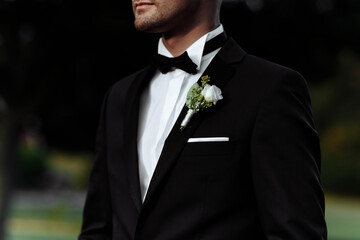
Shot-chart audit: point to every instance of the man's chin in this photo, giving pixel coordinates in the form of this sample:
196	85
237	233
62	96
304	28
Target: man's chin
147	27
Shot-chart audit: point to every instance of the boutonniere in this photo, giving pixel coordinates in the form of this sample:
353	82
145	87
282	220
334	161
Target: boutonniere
200	97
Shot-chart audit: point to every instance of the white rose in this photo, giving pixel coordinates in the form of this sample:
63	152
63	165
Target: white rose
212	93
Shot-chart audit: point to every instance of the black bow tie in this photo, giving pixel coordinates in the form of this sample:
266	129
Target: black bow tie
164	64
183	62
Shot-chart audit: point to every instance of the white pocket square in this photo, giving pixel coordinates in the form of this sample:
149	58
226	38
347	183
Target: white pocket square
209	139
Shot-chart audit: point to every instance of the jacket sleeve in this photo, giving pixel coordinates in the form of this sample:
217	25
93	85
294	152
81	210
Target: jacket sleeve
97	214
285	161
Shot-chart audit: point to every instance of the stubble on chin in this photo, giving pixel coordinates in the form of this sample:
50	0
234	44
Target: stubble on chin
149	23
143	24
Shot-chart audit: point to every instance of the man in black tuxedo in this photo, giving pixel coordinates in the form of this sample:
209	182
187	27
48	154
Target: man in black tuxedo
245	168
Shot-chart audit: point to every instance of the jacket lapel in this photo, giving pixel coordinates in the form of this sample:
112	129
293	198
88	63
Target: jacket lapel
219	71
130	132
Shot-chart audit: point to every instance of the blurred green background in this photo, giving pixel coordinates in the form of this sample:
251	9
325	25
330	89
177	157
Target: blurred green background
58	58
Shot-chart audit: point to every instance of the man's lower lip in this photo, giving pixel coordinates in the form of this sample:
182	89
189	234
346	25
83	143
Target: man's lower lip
143	6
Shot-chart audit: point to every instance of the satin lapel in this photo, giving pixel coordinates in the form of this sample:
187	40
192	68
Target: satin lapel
130	134
220	71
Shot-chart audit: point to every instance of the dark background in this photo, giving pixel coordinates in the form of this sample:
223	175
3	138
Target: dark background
59	57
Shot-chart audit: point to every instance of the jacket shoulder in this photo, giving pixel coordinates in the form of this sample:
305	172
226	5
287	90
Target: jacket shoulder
262	78
122	86
268	74
266	67
255	70
125	82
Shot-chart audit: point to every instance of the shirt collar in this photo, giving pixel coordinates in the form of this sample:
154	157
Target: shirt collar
195	51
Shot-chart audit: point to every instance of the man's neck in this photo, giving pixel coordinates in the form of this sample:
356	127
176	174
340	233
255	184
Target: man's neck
178	42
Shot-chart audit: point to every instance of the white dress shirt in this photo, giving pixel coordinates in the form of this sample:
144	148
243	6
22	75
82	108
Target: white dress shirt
161	104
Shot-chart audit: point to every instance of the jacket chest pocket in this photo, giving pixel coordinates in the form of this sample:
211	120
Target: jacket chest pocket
209	148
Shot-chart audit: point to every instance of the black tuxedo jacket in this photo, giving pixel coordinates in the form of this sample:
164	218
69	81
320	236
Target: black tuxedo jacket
264	183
